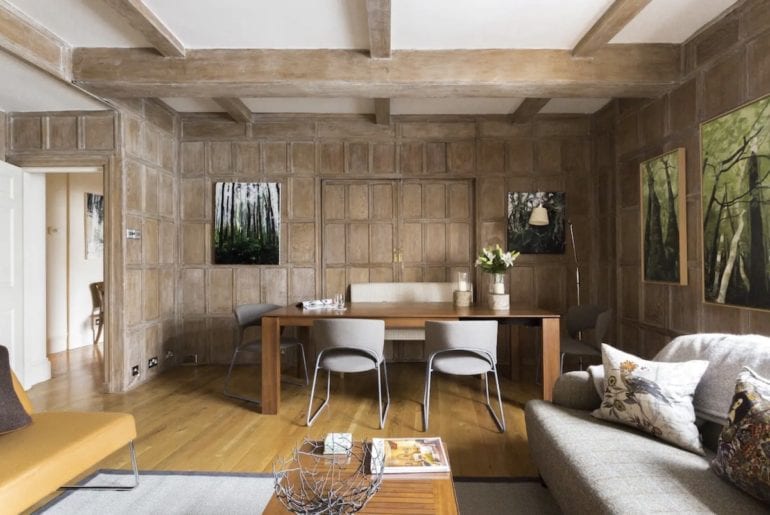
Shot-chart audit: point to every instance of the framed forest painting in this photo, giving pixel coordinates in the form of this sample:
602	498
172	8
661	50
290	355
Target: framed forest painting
664	220
247	223
532	239
735	166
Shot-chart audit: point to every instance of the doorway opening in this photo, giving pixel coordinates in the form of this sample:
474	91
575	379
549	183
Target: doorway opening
74	271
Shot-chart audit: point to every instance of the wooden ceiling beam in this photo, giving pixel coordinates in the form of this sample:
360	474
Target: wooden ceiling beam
528	109
615	71
378	16
382	111
612	21
235	107
141	17
26	39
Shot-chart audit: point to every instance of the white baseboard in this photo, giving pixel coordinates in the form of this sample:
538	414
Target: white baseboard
36	373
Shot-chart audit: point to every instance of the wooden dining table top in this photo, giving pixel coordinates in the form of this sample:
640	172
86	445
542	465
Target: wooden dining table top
422	310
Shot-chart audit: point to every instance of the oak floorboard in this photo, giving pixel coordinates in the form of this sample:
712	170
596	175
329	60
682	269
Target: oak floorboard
185	423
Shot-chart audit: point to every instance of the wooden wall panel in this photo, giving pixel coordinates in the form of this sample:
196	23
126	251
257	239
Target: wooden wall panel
724	70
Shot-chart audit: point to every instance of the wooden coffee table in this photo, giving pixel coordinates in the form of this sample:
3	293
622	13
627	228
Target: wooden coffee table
414	494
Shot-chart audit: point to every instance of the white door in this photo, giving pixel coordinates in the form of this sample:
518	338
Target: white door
12	265
22	273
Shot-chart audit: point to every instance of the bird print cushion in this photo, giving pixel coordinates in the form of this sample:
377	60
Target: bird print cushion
743	454
654	397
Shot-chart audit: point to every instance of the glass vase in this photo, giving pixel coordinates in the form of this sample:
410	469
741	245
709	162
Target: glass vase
497	284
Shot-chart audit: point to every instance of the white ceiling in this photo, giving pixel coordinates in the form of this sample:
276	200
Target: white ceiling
416	24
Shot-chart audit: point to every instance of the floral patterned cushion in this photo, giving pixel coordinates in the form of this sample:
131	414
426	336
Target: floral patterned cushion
652	396
743	455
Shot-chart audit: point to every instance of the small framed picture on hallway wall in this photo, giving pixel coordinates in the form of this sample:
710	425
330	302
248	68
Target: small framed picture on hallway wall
94	225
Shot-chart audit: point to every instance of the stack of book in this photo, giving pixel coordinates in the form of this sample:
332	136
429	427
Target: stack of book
409	455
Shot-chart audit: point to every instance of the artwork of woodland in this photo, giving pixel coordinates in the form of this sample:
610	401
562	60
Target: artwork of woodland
94	225
736	206
530	239
247	223
664	242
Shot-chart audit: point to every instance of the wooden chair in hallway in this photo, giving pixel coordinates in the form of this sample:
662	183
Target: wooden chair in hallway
97	309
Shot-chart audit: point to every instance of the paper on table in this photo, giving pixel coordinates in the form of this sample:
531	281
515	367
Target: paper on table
318	304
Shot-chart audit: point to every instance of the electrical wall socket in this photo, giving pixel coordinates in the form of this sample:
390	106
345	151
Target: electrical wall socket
152	362
135	370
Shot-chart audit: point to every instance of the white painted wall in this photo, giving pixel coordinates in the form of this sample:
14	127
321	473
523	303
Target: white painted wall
68	271
56	261
82	272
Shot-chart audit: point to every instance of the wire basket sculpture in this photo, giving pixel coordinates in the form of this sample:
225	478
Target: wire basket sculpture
309	481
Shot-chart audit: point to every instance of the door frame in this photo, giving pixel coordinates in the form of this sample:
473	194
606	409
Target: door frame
113	248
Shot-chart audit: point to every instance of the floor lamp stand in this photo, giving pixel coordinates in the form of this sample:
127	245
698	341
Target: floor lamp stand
577	267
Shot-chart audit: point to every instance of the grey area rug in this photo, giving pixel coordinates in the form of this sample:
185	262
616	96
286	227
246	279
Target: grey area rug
193	493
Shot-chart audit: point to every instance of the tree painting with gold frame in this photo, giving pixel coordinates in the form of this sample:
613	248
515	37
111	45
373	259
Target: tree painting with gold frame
664	237
735	190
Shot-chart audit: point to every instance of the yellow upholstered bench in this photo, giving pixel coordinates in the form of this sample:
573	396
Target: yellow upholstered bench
55	448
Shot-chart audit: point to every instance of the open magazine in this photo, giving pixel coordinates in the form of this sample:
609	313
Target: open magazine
407	455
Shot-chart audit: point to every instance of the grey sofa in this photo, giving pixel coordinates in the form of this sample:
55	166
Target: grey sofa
592	466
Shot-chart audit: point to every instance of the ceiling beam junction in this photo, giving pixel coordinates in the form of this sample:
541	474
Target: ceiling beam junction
32	43
528	109
378	16
607	27
382	111
614	71
141	17
235	107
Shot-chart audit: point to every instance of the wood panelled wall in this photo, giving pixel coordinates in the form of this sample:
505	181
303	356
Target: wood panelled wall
552	154
149	154
726	65
136	143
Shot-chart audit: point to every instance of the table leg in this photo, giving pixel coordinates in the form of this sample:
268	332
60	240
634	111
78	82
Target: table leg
550	356
271	366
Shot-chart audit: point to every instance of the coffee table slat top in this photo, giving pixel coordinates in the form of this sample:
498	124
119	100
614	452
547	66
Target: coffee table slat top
402	496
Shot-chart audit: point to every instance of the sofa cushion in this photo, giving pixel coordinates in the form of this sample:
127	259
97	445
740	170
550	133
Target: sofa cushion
743	456
54	449
13	416
592	466
727	354
653	397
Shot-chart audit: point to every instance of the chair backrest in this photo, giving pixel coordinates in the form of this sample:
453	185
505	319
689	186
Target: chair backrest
353	333
97	295
402	292
589	317
247	315
464	334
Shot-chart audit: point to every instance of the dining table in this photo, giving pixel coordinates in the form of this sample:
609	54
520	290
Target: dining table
400	315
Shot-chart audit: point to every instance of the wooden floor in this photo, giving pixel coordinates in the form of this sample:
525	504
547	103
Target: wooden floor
185	423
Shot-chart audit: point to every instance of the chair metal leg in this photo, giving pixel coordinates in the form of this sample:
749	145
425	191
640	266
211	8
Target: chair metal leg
227	382
119	488
499	421
304	362
383	414
426	397
311	418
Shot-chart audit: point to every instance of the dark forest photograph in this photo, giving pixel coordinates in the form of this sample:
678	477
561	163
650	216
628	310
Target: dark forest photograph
533	239
247	223
664	239
735	164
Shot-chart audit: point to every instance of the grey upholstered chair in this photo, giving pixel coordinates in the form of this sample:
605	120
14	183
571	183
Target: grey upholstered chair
462	348
349	345
250	315
590	322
